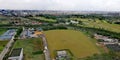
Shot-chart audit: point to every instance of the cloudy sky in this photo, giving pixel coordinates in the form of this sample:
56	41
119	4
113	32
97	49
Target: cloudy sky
79	5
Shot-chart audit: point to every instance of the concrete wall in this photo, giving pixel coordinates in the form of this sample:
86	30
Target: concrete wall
17	57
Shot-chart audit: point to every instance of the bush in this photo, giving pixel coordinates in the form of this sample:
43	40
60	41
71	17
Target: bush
37	52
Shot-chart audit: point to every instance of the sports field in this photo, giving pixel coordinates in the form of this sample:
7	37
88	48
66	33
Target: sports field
78	43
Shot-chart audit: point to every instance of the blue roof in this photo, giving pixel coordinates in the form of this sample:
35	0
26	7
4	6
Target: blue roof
8	34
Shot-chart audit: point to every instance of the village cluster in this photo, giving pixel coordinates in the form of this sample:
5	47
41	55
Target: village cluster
111	43
9	35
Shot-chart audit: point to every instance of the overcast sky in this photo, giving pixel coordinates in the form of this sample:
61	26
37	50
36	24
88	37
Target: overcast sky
79	5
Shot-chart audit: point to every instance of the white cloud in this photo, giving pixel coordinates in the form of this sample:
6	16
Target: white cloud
107	5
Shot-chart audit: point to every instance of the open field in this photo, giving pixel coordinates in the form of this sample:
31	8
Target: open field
106	26
44	19
2	31
32	48
4	20
2	45
99	24
118	53
78	43
3	17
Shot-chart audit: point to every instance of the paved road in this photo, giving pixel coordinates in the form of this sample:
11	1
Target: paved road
6	49
23	34
46	50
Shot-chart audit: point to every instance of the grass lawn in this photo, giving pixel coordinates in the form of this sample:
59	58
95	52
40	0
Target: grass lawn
3	17
44	19
4	22
118	53
99	24
2	45
32	48
2	31
106	26
78	43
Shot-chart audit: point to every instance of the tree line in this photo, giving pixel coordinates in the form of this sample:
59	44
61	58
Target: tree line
100	31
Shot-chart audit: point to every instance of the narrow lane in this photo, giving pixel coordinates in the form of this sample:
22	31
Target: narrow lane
6	49
46	50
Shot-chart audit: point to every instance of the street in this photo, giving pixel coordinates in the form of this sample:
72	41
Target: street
46	50
6	49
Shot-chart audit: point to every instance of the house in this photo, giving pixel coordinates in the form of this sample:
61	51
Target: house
16	54
67	23
62	55
105	39
39	29
74	22
36	34
119	44
31	33
114	47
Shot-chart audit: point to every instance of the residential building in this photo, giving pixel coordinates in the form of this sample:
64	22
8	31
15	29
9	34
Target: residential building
62	55
74	22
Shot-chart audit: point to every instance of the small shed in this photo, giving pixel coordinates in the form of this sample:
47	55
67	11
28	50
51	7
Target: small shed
16	54
61	53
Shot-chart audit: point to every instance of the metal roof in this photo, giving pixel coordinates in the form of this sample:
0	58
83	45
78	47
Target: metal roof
16	52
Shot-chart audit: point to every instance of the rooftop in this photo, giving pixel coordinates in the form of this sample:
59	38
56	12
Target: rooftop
8	34
114	47
16	52
62	53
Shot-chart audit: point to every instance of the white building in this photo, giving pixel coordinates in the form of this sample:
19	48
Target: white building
67	23
16	54
119	44
106	40
74	22
61	53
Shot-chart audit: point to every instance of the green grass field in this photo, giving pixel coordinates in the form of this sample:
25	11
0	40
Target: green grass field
99	24
78	43
3	17
44	19
2	31
105	25
4	22
32	48
2	45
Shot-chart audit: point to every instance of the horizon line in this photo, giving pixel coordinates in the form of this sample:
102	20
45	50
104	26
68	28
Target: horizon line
65	10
